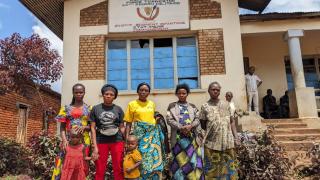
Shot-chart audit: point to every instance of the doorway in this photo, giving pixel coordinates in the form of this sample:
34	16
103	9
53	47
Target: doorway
22	123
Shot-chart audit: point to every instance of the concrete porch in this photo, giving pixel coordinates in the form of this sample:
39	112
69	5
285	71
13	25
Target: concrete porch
287	59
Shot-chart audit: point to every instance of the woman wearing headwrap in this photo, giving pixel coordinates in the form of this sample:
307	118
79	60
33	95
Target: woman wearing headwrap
149	134
107	130
73	116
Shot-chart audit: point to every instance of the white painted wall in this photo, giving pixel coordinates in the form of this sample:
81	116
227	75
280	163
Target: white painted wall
233	80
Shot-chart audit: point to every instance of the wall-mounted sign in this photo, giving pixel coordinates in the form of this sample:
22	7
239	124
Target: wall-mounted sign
148	15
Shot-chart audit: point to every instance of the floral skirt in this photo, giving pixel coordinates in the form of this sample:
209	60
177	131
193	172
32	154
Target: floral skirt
151	147
220	165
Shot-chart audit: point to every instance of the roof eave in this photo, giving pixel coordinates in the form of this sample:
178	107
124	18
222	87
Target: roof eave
254	5
49	12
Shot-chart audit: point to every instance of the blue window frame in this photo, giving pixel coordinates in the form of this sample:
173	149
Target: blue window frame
140	62
187	61
310	72
162	62
117	64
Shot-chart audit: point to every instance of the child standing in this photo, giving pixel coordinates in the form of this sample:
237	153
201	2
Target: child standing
75	166
132	159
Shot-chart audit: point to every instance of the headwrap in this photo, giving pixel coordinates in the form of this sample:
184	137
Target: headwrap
111	87
142	84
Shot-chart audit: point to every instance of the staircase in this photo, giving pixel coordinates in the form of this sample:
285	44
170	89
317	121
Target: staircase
293	134
296	137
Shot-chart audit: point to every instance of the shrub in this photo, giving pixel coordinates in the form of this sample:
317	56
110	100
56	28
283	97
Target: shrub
44	150
14	158
261	157
20	177
312	171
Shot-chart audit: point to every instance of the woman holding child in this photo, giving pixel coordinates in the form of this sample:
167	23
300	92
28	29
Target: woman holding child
149	135
182	116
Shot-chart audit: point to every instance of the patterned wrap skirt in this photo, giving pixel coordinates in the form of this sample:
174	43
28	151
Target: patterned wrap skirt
220	165
151	147
187	159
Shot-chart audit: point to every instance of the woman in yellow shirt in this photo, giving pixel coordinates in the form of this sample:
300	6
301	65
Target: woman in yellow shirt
149	135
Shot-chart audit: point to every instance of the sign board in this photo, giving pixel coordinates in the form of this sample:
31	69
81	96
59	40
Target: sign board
148	15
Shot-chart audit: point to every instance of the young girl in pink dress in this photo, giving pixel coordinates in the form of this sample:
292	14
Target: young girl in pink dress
75	165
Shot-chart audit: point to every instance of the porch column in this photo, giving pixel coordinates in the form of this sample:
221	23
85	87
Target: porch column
292	37
302	101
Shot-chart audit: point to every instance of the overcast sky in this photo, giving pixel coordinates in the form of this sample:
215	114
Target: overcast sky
14	17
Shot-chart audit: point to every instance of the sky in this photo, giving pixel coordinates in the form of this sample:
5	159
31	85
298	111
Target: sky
14	17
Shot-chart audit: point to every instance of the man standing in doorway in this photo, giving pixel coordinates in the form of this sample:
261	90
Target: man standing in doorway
252	84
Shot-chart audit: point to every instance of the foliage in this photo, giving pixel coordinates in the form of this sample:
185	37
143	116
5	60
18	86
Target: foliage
27	60
261	157
314	169
14	158
19	177
44	149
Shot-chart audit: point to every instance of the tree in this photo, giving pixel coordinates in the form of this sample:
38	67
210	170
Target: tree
27	61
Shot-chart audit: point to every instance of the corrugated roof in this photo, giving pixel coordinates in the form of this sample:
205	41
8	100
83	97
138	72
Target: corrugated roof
278	16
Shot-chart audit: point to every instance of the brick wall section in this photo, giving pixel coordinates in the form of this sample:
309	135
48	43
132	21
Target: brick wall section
204	9
92	57
211	52
9	113
95	15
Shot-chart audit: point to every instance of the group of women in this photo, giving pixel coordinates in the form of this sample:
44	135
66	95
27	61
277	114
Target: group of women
202	141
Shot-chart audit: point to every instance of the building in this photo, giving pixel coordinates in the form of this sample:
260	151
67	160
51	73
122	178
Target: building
23	115
125	42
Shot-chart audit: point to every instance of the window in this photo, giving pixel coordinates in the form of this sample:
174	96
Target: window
161	62
311	73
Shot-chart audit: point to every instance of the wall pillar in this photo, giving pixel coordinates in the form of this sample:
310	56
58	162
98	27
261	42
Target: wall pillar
301	99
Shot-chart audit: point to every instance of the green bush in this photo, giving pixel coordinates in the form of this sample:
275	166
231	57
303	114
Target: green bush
14	158
44	150
261	157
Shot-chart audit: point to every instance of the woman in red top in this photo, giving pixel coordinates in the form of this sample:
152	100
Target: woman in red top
73	116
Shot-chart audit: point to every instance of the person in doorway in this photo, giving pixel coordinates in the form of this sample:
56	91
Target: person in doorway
270	107
107	131
284	106
219	137
252	84
73	116
182	116
148	132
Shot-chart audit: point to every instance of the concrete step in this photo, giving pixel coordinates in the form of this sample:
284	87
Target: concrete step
287	125
297	145
286	131
300	158
295	120
297	137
